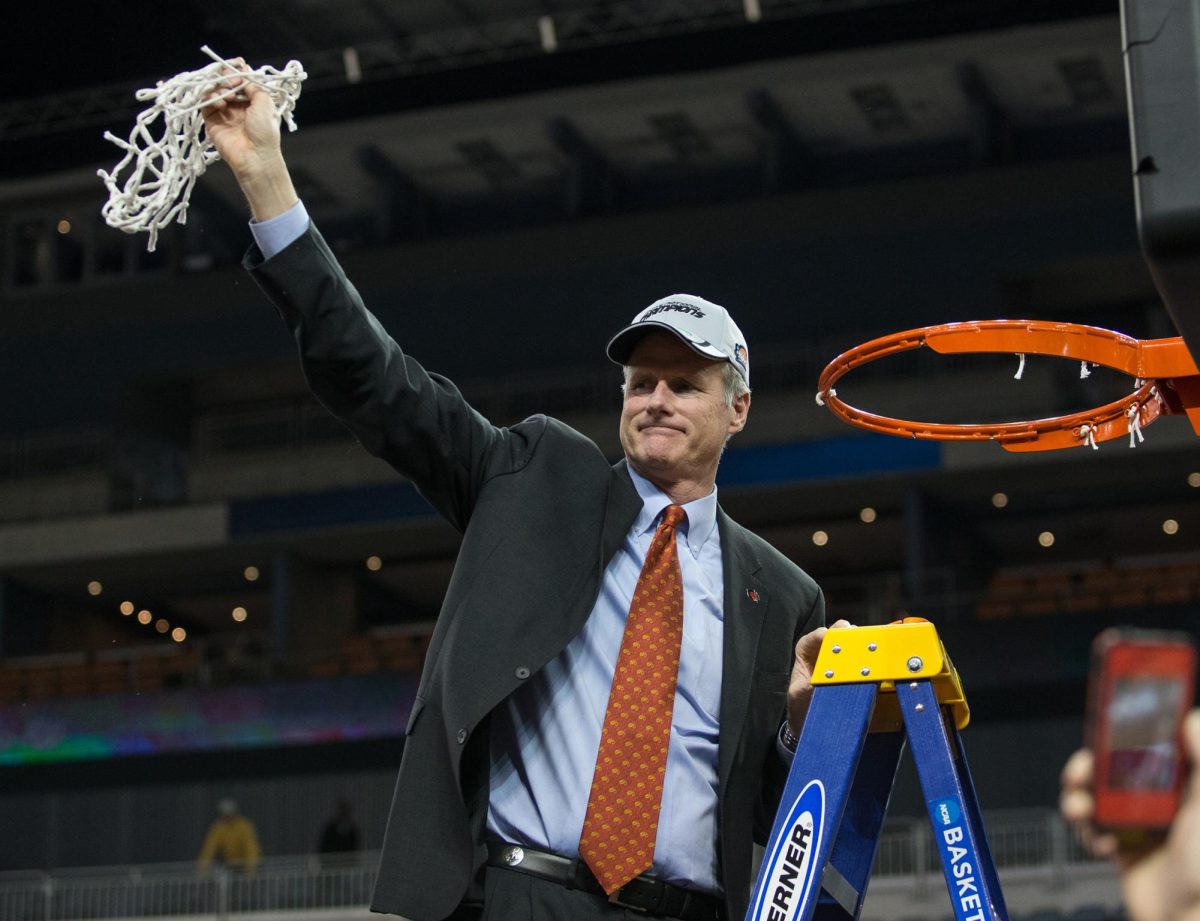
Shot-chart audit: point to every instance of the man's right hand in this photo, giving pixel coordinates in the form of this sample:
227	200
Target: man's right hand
1160	882
244	129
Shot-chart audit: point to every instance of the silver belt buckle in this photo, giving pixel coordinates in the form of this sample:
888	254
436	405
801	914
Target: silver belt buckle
513	856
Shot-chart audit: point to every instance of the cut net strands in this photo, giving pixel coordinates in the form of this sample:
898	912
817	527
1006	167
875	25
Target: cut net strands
161	171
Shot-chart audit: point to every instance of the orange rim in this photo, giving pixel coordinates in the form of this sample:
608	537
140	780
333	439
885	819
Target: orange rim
1149	361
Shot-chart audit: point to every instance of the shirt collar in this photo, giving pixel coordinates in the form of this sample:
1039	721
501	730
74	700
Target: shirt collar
696	529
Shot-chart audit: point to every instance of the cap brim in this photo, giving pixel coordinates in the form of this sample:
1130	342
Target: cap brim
620	347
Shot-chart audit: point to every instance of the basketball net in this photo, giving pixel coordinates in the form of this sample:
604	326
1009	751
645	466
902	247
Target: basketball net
150	186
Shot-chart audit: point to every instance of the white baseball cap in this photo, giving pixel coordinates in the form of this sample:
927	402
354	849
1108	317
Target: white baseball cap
704	326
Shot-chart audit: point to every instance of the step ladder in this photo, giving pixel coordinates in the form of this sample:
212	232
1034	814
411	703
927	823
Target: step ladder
873	688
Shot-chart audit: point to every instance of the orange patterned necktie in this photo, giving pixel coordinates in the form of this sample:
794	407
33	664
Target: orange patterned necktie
622	813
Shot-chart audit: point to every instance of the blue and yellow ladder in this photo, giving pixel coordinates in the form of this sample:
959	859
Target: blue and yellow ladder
874	687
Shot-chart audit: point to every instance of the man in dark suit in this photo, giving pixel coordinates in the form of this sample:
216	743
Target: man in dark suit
513	758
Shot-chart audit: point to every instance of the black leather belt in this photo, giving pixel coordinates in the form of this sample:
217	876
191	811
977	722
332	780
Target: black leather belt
642	893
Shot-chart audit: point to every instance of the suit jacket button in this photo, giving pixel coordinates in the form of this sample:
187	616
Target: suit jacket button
462	736
522	672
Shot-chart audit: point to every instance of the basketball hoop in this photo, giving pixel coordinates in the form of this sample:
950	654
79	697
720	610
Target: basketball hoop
1167	382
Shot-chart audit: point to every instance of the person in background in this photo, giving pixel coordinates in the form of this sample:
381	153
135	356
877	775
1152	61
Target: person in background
231	839
339	836
1160	880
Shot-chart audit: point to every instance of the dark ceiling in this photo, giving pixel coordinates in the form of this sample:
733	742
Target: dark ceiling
76	66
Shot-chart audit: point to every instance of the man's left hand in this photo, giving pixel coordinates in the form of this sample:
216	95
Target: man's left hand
800	685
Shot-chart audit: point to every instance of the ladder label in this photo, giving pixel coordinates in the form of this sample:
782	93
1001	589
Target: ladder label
790	875
959	860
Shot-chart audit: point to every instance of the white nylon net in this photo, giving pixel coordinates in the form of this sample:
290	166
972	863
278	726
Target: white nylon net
150	186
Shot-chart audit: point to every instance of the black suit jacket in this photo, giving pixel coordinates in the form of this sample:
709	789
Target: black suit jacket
542	512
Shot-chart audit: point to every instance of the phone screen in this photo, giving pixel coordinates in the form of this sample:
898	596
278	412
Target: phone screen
1143	720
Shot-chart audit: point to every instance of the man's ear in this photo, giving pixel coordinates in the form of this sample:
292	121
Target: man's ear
741	409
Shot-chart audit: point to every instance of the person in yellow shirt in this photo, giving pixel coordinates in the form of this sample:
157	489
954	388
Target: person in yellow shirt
231	838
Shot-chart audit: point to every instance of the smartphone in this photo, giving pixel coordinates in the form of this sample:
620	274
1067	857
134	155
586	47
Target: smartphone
1140	688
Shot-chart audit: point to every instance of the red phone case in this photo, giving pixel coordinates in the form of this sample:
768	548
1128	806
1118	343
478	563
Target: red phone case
1141	687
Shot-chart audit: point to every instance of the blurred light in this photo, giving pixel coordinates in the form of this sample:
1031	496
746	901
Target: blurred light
126	608
144	617
1046	539
64	227
1170	526
251	573
351	65
179	634
161	625
239	614
867	514
999	499
820	538
95	588
547	34
374	563
1194	479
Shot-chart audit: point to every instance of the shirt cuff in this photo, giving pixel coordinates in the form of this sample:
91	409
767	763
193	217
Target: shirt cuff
275	235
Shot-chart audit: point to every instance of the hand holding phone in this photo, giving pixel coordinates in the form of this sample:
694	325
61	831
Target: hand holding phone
1141	686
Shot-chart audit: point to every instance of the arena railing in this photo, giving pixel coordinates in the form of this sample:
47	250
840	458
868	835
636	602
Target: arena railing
1021	840
282	884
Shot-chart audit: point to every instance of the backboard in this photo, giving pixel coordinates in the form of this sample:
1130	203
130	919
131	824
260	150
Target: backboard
1161	41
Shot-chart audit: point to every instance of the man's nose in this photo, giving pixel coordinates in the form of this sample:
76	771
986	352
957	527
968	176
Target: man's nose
660	397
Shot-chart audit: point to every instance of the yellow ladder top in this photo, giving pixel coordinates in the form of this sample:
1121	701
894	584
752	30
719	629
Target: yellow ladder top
906	650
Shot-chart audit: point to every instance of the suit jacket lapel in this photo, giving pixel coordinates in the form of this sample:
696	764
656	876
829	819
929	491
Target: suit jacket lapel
746	602
623	506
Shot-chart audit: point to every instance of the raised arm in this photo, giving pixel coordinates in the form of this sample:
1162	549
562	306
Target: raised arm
416	421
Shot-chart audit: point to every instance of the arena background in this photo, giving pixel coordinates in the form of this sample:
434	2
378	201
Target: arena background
507	183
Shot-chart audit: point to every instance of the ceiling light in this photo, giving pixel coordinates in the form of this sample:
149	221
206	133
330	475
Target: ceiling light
239	614
161	625
999	499
251	573
820	538
1170	526
1046	538
94	588
126	608
867	514
179	634
144	616
374	563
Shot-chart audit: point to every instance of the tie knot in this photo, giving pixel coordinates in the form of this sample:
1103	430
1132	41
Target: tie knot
673	516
